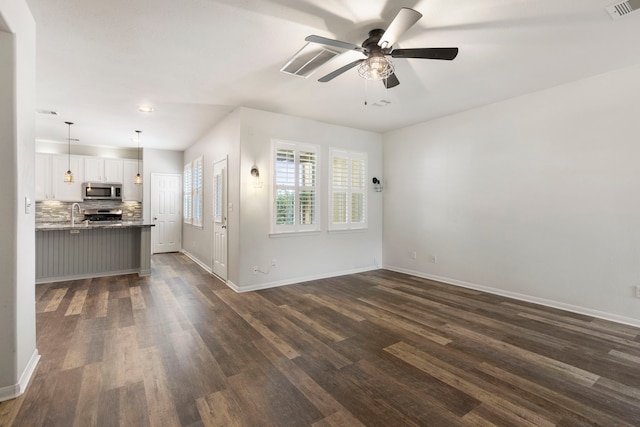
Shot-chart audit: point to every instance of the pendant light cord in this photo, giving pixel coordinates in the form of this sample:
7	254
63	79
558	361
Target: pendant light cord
138	132
69	145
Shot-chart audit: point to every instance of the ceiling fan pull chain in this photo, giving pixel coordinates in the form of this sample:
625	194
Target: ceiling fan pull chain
366	92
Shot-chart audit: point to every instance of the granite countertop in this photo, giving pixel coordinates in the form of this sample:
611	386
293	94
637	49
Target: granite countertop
66	225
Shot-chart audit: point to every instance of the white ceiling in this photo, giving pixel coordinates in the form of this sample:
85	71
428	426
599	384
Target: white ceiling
195	61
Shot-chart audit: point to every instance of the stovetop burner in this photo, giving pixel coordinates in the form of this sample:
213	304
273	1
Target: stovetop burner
103	215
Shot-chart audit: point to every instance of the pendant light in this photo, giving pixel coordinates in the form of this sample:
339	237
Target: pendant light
138	178
68	176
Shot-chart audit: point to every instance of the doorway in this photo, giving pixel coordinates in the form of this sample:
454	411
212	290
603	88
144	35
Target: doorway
220	219
165	212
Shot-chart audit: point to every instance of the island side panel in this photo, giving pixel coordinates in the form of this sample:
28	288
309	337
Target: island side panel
91	252
145	251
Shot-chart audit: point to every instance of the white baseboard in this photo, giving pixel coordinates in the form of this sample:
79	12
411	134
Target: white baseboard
87	276
15	390
197	261
295	280
522	297
249	288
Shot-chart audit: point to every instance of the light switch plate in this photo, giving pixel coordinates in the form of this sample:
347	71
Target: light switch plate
27	205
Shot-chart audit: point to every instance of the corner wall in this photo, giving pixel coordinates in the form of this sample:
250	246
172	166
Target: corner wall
245	137
157	161
306	256
223	140
536	197
18	353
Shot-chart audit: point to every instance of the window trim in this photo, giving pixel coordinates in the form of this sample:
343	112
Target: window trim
296	228
350	156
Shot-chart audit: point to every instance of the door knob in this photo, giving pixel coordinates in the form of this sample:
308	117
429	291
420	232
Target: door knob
155	218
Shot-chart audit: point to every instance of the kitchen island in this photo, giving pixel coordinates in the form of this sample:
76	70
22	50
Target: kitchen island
82	250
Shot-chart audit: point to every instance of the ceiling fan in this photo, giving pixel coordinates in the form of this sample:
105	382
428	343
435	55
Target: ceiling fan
379	45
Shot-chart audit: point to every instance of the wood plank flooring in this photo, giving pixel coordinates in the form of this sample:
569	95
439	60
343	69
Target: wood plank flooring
179	348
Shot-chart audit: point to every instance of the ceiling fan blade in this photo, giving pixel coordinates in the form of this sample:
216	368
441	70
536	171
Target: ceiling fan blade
445	53
401	23
339	71
391	81
332	42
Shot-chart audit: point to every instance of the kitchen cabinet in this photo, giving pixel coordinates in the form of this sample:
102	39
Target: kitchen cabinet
43	177
65	191
131	191
98	169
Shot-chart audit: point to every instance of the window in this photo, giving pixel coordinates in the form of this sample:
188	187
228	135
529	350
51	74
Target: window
192	193
197	192
348	203
217	197
295	187
187	197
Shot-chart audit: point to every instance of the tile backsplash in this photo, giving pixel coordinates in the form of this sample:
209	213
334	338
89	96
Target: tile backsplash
61	211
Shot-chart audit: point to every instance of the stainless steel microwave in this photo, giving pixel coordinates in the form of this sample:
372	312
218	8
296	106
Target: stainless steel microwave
101	191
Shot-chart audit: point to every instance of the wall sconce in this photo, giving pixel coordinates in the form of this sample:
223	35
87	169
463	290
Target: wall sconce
255	173
377	185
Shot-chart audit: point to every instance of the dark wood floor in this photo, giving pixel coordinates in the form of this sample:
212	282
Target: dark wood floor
379	348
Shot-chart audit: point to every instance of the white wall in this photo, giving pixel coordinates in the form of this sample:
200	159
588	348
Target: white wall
157	161
18	354
536	197
245	136
87	150
223	140
309	256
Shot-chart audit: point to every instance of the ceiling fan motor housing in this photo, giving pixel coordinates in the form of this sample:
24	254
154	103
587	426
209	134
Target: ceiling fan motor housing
371	44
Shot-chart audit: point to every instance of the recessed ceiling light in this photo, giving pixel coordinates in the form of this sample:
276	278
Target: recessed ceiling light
145	109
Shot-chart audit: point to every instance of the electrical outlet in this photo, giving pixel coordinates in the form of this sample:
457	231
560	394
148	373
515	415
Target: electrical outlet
434	259
637	291
413	255
273	262
255	269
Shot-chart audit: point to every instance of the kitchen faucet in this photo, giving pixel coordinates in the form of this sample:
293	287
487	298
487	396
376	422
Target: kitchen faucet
73	209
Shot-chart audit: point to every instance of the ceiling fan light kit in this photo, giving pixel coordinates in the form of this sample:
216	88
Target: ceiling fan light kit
379	46
376	68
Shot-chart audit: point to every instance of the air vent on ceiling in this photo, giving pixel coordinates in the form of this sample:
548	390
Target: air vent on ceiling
623	8
49	112
308	59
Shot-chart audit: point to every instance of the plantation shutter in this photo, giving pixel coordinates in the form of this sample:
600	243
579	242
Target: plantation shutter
187	201
348	202
197	192
295	187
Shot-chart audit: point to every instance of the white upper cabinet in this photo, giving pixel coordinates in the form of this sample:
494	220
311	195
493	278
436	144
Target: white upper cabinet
65	191
98	169
131	191
113	170
43	177
50	170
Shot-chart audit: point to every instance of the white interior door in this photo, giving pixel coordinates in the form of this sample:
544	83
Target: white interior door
220	219
165	212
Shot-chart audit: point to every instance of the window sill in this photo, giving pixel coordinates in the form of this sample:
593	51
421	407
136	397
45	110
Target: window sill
200	227
280	234
348	230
